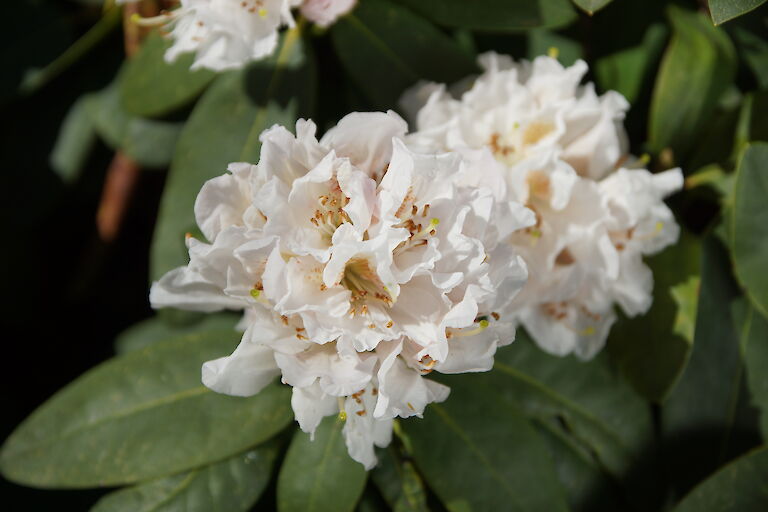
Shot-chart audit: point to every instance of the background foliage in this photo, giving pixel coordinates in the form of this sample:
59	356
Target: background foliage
672	416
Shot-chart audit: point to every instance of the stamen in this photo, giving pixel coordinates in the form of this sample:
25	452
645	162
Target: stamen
154	21
477	330
342	412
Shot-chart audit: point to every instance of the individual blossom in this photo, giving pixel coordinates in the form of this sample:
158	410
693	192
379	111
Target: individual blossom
361	264
564	149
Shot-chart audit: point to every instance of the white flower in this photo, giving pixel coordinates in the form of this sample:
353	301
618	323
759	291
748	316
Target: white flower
362	265
325	12
561	145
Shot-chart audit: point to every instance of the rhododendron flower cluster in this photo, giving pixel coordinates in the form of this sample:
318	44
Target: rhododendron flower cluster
227	34
362	265
564	150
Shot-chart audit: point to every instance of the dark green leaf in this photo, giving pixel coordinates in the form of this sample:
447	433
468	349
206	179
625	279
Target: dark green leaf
156	329
225	127
232	485
152	87
749	224
629	70
404	47
753	331
739	486
591	6
319	475
697	68
542	42
724	10
141	415
705	419
589	404
150	143
754	50
77	136
495	15
646	348
686	296
478	451
753	119
399	482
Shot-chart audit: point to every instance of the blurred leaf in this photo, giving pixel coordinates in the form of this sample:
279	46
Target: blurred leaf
591	6
628	70
495	15
588	404
713	176
753	331
150	143
724	10
319	475
140	416
224	127
232	485
542	42
739	486
753	119
156	329
646	348
749	224
477	451
698	67
77	137
152	87
404	47
399	482
686	296
705	419
754	50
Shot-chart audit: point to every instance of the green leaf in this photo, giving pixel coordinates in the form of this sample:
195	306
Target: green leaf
150	143
629	70
151	87
405	48
495	15
697	68
749	224
753	119
591	6
686	296
753	333
232	485
724	10
542	41
588	404
139	416
399	482
739	486
705	419
224	127
647	348
754	50
156	329
320	475
76	138
477	451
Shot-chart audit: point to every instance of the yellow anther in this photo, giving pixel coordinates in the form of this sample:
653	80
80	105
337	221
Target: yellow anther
589	331
483	324
659	226
255	293
434	222
553	52
342	412
263	12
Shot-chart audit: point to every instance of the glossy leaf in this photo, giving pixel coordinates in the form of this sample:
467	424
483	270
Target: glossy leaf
152	87
686	296
319	475
477	451
646	348
738	486
749	224
697	68
139	416
589	404
591	6
76	139
724	10
223	128
155	330
706	419
404	47
399	482
232	485
495	15
753	333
